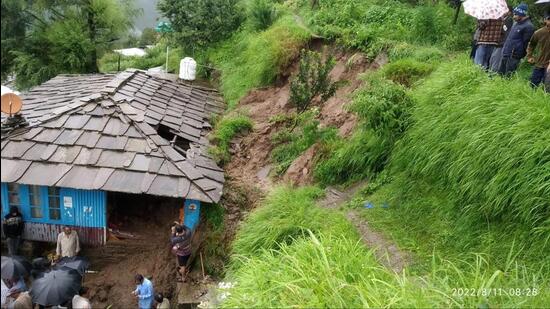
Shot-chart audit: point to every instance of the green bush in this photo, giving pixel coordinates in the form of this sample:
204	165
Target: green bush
385	112
312	81
485	141
199	23
262	14
406	71
362	155
225	130
155	57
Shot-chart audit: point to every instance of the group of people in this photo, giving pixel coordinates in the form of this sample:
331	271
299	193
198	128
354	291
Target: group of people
14	291
499	45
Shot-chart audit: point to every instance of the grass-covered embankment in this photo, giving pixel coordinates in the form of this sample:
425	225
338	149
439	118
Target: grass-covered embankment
460	157
251	59
471	174
290	253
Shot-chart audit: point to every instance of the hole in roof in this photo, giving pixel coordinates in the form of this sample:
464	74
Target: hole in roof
179	143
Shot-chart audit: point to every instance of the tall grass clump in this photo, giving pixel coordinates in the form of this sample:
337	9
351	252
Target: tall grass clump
251	59
285	215
225	130
262	14
377	25
406	71
337	271
291	142
384	109
486	141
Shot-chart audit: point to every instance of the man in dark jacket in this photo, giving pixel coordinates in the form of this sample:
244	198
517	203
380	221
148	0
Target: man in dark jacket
538	52
13	228
515	47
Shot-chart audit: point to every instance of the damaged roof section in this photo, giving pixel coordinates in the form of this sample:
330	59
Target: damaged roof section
109	138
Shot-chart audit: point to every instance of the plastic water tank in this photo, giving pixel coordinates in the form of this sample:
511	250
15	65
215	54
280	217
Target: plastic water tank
188	68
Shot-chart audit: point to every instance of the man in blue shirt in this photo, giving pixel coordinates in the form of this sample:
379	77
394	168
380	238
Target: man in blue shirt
144	292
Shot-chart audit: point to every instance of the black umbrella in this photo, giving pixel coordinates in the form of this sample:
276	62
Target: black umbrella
15	267
77	263
55	287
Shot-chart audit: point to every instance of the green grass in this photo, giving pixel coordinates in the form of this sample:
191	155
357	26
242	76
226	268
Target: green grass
384	110
485	140
254	59
406	71
285	215
289	145
291	253
377	25
224	131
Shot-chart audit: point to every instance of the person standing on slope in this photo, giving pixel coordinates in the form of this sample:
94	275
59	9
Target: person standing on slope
515	47
540	45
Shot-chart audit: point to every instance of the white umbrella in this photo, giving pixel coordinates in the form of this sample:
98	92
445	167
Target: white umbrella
486	9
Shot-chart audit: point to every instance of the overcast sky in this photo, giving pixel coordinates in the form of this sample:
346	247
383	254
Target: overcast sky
149	17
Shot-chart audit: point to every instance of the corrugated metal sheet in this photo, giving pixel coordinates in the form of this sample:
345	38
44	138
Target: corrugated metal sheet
85	210
48	232
88	207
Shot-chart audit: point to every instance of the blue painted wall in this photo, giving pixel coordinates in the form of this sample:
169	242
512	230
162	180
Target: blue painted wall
191	212
86	208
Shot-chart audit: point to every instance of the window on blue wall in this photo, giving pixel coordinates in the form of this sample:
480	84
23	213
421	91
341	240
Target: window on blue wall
35	202
13	195
54	203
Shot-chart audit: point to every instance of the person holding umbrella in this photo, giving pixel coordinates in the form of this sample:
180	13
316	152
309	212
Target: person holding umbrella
56	287
13	229
540	42
515	47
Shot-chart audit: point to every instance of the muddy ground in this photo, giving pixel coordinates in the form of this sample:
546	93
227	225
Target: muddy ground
250	162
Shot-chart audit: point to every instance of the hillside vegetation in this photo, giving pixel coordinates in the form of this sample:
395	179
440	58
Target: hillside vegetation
459	159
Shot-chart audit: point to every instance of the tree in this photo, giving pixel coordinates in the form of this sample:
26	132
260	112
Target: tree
148	37
198	23
63	36
13	32
312	81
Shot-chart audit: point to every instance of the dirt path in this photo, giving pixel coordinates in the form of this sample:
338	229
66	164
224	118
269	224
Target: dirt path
385	250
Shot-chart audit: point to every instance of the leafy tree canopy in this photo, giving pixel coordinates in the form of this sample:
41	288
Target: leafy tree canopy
198	23
60	36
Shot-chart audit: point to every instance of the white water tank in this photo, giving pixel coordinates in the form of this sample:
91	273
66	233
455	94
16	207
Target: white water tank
188	68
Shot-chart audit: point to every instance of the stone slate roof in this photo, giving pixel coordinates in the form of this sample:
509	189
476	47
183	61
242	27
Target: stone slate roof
104	136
